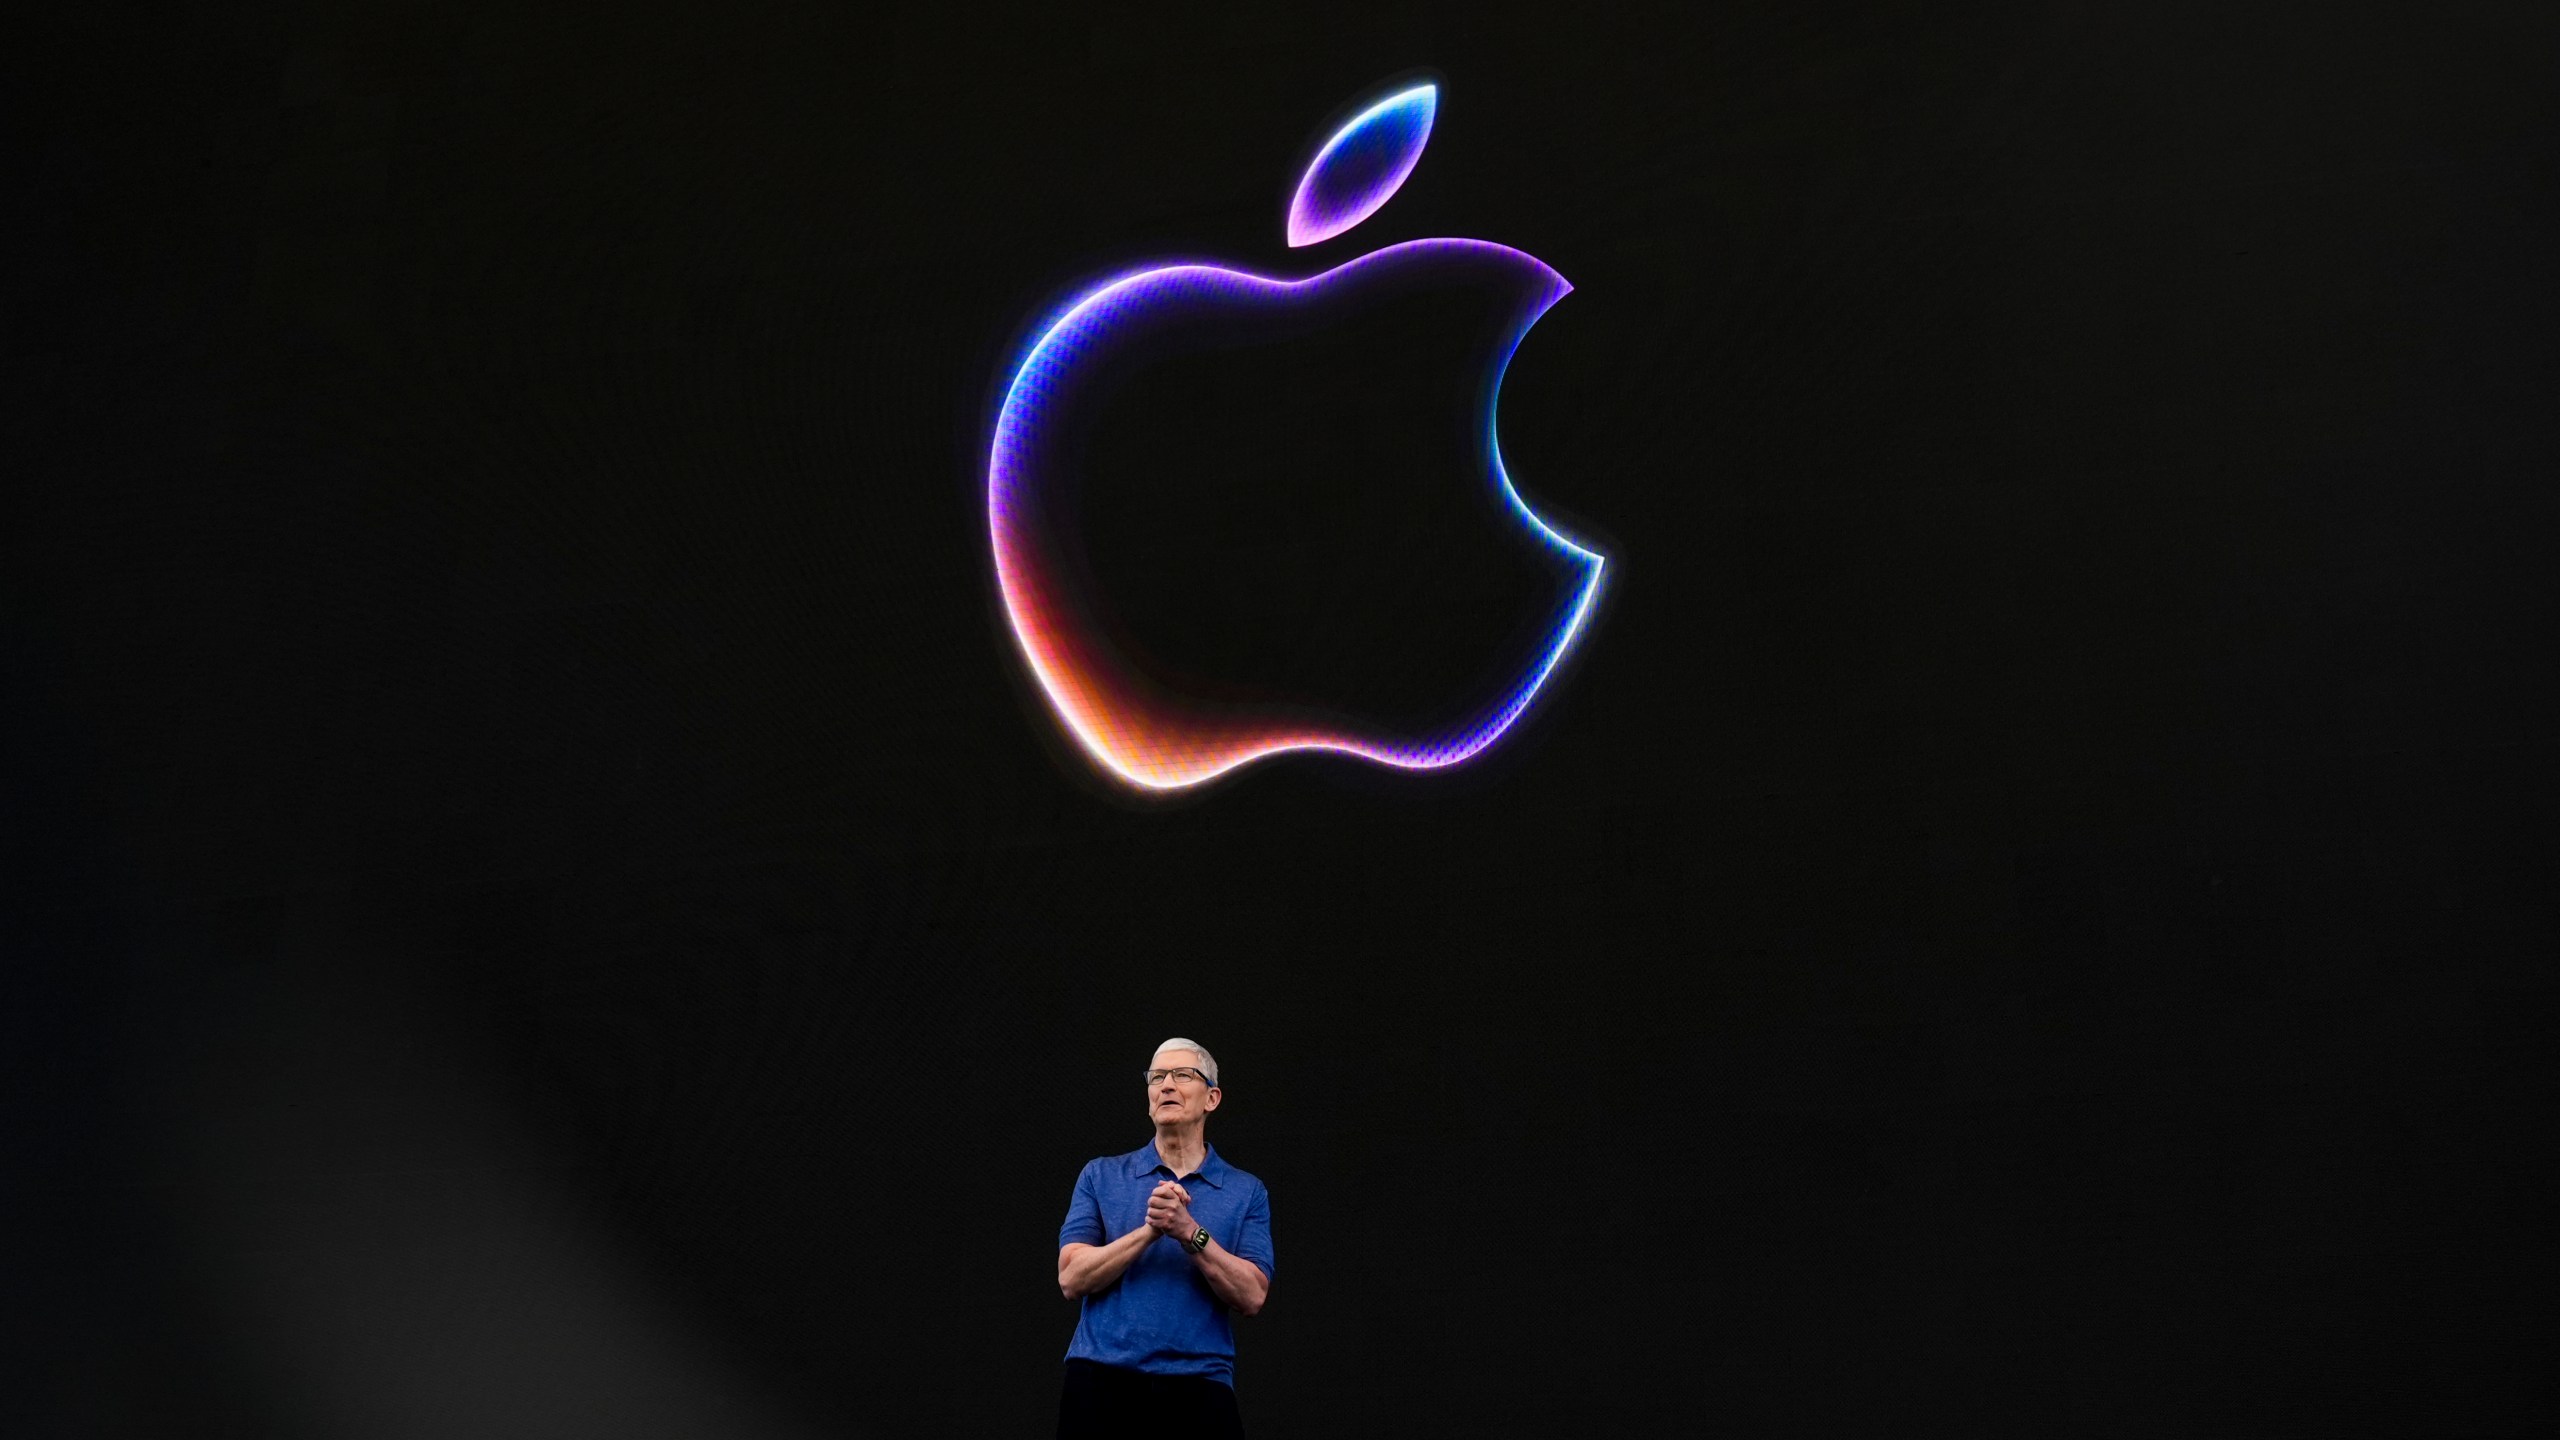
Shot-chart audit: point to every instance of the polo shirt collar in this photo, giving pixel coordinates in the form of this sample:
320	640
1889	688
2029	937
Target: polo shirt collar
1212	1168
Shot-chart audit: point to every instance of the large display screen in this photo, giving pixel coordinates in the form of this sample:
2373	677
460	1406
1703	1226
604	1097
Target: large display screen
654	651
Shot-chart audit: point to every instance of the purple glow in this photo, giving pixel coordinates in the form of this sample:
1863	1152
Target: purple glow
1132	728
1362	165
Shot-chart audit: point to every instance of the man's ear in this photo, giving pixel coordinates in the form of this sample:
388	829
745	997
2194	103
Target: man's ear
1215	1095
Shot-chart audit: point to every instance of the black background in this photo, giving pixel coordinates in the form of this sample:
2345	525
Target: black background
547	905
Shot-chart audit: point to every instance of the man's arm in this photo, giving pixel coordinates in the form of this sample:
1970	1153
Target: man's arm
1085	1269
1235	1280
1238	1281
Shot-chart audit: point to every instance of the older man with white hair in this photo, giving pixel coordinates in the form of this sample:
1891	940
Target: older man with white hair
1162	1245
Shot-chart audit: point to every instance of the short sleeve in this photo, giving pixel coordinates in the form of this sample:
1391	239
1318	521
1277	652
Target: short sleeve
1253	1238
1084	1214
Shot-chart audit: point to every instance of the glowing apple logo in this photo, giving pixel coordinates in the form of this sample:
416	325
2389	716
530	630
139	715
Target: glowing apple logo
1132	723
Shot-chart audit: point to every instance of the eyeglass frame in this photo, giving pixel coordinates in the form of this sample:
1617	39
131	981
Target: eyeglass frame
1158	1077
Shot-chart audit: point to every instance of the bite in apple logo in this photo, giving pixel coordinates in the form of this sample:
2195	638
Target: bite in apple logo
1135	725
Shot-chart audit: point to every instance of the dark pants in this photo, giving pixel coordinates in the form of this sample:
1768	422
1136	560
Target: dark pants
1106	1400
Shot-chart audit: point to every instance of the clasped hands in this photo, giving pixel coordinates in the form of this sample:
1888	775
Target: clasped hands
1169	1211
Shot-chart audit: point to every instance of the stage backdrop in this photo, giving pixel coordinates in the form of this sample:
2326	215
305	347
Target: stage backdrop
555	905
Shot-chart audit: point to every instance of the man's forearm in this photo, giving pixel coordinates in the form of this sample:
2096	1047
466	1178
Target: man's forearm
1237	1281
1084	1269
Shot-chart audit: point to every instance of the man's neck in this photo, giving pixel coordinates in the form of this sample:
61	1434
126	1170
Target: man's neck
1181	1150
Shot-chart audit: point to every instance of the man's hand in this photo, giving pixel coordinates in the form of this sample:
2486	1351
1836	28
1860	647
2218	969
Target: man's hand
1169	1211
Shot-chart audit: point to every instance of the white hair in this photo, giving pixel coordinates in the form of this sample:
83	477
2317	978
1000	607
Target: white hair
1208	1062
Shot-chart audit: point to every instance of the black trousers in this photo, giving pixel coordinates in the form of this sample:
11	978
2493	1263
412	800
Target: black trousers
1106	1400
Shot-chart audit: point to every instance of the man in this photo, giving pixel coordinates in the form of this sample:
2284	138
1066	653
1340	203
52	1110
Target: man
1161	1245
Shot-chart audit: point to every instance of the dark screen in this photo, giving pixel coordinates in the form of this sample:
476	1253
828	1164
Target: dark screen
553	906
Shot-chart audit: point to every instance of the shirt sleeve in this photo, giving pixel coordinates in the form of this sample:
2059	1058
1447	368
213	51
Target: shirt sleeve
1084	1214
1253	1238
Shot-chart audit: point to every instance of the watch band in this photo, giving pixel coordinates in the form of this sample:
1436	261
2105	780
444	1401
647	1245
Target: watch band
1199	1240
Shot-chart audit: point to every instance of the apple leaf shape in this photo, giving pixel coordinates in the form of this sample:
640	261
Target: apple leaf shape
1362	165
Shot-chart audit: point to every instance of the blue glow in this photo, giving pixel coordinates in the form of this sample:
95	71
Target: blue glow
1363	164
1133	732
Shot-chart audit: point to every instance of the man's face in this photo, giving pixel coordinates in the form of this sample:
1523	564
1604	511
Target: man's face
1178	1099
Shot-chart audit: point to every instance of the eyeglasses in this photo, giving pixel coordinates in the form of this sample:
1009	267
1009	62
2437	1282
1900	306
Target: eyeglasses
1182	1073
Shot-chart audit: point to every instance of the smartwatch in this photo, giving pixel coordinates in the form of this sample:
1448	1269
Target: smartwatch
1199	1240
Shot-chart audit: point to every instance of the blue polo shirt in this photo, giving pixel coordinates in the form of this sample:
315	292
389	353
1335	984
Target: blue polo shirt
1160	1316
